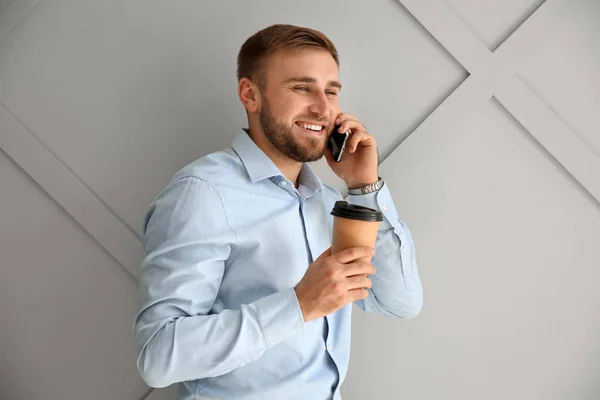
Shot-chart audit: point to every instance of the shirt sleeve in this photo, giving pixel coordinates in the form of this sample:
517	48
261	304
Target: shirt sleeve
186	241
397	289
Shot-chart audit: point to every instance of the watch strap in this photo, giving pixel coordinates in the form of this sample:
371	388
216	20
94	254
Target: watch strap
371	188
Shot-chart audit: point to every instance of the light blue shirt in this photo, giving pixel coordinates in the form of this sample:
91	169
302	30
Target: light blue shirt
225	243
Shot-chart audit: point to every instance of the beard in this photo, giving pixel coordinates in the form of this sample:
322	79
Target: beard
298	147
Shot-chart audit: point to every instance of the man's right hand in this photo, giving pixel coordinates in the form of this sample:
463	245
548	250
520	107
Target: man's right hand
333	281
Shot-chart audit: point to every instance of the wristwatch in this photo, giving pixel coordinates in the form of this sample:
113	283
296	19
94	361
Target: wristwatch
373	187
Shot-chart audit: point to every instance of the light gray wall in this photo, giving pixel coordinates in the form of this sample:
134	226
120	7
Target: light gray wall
486	117
4	4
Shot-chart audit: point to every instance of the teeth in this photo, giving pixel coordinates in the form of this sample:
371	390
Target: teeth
312	127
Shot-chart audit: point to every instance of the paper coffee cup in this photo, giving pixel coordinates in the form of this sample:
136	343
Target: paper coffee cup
354	226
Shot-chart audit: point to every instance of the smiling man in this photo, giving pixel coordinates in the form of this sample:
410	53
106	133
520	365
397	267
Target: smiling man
241	297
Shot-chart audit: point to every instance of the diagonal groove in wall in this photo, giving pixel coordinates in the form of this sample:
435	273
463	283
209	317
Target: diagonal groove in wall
490	70
572	129
471	56
517	25
15	13
418	122
503	102
70	192
146	394
556	135
451	32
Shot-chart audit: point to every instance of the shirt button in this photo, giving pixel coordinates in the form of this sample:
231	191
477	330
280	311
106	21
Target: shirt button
283	183
330	347
384	207
403	249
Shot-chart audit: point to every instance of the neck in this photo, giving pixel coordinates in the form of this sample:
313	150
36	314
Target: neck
288	167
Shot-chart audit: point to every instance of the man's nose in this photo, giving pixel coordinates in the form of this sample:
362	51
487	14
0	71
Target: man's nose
319	104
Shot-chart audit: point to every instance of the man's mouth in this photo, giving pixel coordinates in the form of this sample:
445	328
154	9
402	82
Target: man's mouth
311	127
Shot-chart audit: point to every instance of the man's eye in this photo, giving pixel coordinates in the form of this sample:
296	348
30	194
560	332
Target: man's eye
331	93
302	88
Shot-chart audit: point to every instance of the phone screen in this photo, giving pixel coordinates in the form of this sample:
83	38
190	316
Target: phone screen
337	143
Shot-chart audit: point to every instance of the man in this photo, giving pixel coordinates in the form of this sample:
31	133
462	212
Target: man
241	296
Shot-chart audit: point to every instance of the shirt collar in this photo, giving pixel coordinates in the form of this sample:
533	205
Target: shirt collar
259	166
308	178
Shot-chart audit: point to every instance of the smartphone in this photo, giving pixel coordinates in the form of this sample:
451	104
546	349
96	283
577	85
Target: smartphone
337	143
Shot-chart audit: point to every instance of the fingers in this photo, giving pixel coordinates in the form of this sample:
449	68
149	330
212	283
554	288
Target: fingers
358	268
358	282
359	137
344	117
358	294
351	124
354	253
341	117
359	134
347	121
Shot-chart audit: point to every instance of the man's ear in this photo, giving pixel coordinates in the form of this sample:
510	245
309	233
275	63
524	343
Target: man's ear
249	95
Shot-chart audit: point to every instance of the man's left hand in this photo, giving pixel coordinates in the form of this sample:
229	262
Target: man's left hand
359	162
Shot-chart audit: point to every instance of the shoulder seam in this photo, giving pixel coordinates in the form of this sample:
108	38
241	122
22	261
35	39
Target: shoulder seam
218	193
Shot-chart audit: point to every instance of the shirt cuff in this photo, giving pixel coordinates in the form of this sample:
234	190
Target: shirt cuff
279	316
380	200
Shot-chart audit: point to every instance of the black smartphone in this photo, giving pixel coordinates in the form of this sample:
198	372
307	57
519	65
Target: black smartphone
337	143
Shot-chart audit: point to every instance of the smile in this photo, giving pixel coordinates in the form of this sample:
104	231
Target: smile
312	128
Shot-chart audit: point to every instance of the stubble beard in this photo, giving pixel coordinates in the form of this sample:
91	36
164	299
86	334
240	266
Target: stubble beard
301	148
